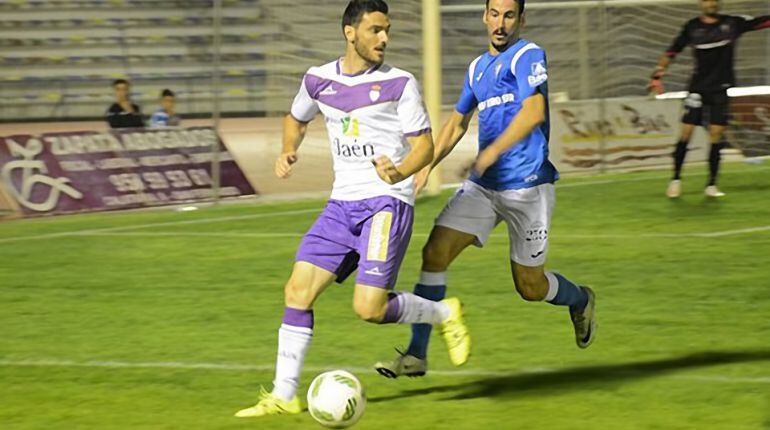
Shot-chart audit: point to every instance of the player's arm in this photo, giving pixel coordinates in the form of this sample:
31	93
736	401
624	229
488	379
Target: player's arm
448	137
531	115
753	24
451	133
416	126
453	130
656	79
293	134
303	110
419	156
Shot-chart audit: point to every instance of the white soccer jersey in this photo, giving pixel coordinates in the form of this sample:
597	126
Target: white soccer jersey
367	115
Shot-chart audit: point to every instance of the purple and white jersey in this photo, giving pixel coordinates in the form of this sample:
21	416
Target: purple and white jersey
367	115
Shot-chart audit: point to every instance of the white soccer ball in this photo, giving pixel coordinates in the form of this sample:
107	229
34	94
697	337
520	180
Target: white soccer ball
336	399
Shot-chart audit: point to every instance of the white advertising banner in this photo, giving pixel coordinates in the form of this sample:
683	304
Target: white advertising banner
624	133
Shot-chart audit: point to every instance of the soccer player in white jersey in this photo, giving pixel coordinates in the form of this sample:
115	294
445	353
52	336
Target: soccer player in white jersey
512	181
380	136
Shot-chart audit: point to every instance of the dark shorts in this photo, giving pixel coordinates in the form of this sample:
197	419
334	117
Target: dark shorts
371	235
706	108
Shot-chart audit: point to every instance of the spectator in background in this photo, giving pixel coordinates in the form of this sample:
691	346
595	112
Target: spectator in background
165	116
123	113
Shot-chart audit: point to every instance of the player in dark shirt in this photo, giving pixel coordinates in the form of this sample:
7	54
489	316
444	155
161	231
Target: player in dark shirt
123	113
713	37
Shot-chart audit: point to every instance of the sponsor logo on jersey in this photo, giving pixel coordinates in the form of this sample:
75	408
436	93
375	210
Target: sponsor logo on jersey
539	74
350	126
495	101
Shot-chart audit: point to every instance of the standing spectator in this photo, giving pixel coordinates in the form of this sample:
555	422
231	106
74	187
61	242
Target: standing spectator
123	113
165	116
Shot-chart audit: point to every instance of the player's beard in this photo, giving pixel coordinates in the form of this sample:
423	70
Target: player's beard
504	46
364	53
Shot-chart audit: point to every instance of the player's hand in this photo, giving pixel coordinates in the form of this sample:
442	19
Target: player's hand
283	164
656	82
485	160
421	179
387	170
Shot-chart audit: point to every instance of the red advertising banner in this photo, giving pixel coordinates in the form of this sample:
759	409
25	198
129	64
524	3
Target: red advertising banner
121	169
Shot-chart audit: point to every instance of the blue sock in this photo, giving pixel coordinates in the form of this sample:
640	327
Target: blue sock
567	293
418	346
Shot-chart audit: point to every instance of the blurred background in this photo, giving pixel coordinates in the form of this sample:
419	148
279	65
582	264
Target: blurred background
243	60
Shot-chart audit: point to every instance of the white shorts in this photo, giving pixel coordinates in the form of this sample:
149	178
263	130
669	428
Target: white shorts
527	213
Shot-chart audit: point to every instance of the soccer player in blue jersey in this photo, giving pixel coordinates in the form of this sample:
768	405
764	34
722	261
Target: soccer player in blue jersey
512	181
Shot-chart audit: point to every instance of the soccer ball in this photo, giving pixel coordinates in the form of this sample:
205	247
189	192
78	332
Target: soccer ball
336	399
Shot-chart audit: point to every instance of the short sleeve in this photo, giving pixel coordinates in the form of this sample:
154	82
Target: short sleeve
531	71
304	108
467	102
411	110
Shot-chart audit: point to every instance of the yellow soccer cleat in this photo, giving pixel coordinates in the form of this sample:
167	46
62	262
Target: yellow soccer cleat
269	404
455	333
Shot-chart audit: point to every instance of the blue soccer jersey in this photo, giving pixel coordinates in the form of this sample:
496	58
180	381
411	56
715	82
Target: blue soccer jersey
497	85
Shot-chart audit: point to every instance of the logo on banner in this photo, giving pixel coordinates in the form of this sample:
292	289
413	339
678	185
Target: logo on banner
374	93
32	174
539	74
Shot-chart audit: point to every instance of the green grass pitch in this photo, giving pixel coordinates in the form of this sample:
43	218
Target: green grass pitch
168	320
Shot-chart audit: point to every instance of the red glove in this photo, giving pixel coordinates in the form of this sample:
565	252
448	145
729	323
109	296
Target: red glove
656	82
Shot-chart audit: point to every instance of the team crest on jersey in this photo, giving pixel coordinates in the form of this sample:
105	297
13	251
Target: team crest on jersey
350	126
374	93
539	74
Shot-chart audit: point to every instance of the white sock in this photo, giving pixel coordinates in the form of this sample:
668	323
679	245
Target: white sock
553	286
432	278
293	343
417	310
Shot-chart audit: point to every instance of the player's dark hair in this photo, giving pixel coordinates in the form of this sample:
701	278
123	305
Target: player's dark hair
520	2
167	93
117	82
357	8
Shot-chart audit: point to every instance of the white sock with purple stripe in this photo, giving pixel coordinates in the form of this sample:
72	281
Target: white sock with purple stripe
294	338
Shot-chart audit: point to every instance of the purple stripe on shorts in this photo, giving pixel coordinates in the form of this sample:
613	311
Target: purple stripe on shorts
418	132
349	98
393	311
298	317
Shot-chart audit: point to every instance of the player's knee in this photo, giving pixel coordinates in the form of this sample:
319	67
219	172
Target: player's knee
531	288
369	312
297	293
435	257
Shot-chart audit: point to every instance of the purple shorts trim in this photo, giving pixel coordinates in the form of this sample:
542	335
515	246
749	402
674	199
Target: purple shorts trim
370	235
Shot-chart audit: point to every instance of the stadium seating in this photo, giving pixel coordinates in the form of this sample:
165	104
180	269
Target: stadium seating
60	56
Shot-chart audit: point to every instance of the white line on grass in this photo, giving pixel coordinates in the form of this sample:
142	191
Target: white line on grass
315	369
157	224
246	234
303	211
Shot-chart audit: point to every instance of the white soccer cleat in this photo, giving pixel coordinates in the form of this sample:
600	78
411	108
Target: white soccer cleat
713	191
674	189
403	365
